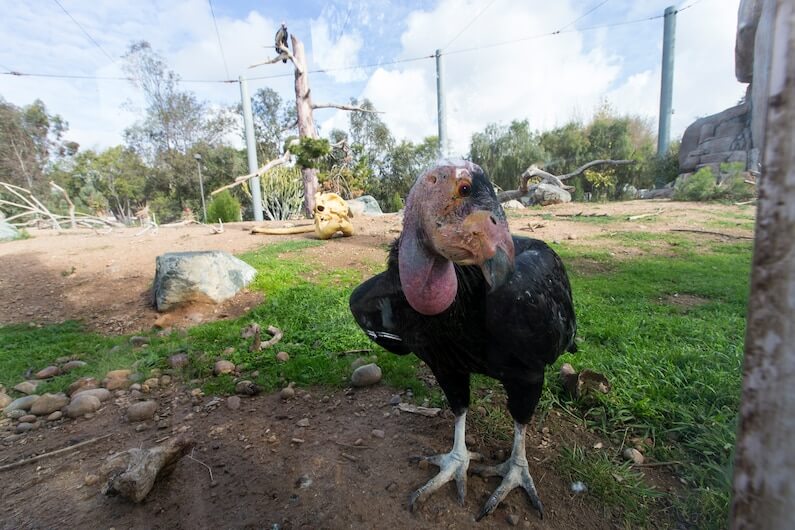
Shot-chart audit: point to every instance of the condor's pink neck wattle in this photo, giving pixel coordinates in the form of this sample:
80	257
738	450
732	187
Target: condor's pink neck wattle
428	280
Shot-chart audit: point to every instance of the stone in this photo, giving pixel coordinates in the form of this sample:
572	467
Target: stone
27	387
49	403
57	415
5	399
361	361
633	455
84	383
247	388
141	411
23	403
24	427
513	204
165	380
303	422
90	479
135	387
394	400
546	194
178	360
513	519
223	367
102	394
117	379
138	340
377	433
282	356
287	392
8	232
364	205
205	276
16	414
28	418
151	383
81	404
233	402
366	375
47	373
71	365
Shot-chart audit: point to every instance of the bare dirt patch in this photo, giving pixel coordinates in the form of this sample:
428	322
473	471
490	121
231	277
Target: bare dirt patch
262	477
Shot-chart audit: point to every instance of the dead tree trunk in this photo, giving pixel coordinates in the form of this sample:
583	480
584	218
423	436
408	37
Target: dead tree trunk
306	122
764	466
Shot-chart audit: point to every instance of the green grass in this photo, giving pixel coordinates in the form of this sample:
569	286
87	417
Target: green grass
674	368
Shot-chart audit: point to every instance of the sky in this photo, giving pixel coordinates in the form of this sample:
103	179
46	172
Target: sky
606	51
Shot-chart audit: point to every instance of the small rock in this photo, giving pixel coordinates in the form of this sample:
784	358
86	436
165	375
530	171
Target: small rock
233	402
23	403
359	361
304	481
101	394
394	400
229	350
90	480
598	445
84	383
571	236
46	373
24	427
5	399
632	454
223	367
282	356
81	404
165	380
366	375
578	487
63	359
153	382
137	341
287	392
141	411
247	388
513	519
392	487
28	418
178	360
49	403
57	415
135	387
377	433
163	424
27	387
155	372
71	365
197	393
117	379
358	442
255	374
303	422
16	414
141	427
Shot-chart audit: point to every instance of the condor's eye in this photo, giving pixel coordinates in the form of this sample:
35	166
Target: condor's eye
464	189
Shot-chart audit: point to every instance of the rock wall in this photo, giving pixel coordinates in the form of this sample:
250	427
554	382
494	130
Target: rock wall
737	133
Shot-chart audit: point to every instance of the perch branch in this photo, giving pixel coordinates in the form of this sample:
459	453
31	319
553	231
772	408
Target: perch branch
707	232
343	107
53	453
283	230
261	171
284	53
68	201
276	336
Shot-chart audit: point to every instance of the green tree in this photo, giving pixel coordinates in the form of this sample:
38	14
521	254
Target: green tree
504	152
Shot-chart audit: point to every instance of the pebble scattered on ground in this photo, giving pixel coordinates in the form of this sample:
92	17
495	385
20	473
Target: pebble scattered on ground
46	373
366	375
49	403
84	383
178	360
141	411
282	356
223	367
27	387
71	365
287	392
83	403
633	455
233	402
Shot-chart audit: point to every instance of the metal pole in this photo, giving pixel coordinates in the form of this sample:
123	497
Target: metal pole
251	149
440	110
201	189
667	84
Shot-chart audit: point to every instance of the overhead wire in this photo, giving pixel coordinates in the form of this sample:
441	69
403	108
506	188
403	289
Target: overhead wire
468	25
218	34
98	45
583	15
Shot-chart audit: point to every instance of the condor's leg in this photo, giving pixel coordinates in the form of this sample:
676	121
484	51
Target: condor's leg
523	397
452	465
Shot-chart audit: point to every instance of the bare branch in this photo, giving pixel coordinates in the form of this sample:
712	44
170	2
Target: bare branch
261	171
343	107
595	163
284	53
68	201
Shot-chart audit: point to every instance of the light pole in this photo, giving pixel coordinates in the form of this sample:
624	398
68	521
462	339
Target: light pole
198	158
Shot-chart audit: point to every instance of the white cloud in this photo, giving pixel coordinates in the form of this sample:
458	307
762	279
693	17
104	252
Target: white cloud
329	53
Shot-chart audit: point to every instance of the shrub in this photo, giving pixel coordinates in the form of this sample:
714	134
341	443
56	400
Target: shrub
282	193
703	185
224	207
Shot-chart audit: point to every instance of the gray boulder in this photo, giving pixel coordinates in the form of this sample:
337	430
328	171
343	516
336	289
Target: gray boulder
8	232
364	205
206	276
23	403
545	194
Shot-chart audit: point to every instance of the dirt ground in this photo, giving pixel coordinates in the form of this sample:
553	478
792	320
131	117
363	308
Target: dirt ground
260	477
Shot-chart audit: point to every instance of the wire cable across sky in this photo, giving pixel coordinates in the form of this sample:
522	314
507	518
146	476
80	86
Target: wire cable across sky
86	33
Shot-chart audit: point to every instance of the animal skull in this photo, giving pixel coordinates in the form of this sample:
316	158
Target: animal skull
332	215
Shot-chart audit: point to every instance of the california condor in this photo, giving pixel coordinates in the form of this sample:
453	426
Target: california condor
281	40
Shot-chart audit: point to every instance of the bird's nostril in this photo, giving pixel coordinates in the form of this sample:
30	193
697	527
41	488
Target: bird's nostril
493	220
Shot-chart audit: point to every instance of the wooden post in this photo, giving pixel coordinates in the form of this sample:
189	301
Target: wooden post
764	490
306	123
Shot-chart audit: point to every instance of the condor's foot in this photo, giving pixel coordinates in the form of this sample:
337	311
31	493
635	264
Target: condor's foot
514	474
452	466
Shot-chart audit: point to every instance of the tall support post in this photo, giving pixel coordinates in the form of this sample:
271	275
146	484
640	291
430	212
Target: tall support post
764	466
251	149
441	115
667	84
